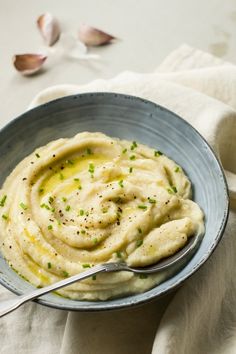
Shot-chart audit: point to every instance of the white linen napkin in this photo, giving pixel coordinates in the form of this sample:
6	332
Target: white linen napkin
201	317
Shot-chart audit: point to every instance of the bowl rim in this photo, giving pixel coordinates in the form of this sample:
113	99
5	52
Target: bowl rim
150	297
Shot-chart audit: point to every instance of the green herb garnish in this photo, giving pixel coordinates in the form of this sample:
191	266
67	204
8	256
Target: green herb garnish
144	207
4	216
37	155
157	153
89	151
41	190
94	277
61	176
139	243
50	200
95	241
130	169
143	276
83	232
81	212
152	201
65	274
23	206
3	200
70	162
124	151
121	183
50	227
91	168
172	190
45	206
76	179
132	157
49	265
134	145
177	169
86	265
118	253
64	199
68	208
139	230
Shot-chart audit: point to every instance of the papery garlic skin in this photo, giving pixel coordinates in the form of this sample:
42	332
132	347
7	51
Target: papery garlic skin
91	36
49	28
28	64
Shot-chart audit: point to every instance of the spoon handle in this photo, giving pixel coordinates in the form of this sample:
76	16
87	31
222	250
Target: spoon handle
12	304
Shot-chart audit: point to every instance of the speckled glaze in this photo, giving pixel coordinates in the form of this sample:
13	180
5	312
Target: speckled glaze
129	118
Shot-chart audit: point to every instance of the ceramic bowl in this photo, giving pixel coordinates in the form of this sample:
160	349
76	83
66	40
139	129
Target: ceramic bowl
130	118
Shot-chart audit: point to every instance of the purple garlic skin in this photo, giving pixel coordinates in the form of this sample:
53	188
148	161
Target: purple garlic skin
91	36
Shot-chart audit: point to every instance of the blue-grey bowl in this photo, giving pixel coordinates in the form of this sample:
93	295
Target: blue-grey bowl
130	118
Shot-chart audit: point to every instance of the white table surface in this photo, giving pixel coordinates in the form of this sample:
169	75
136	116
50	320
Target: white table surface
148	31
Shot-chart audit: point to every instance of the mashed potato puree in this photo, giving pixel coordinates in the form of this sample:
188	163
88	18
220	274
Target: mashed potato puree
91	199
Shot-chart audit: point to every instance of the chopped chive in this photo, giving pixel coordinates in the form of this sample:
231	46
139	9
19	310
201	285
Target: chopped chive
118	253
64	199
139	230
5	217
157	153
124	151
139	243
121	183
41	190
61	176
83	232
65	274
143	276
59	222
132	157
45	206
86	265
52	210
50	200
23	206
71	162
49	265
94	277
177	169
68	208
76	179
37	155
144	207
3	200
95	241
130	169
104	210
172	190
49	227
91	168
80	187
81	212
152	201
134	145
89	151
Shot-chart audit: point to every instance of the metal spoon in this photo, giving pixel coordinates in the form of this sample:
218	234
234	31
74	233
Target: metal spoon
178	258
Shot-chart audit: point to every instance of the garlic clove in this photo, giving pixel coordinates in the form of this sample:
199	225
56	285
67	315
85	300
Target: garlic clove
28	64
91	36
49	28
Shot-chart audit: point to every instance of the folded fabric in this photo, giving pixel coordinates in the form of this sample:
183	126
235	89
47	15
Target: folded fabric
201	318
